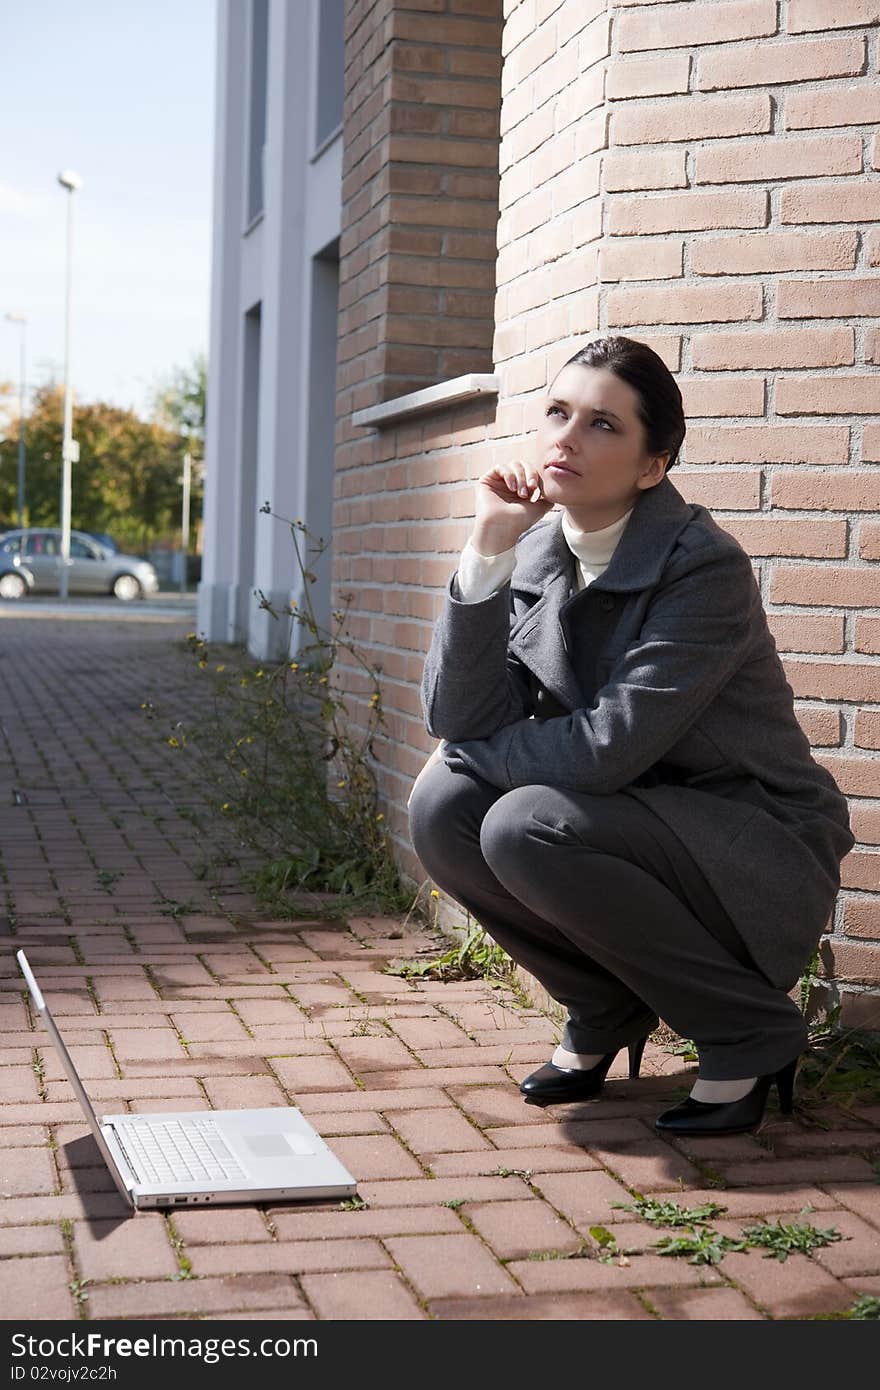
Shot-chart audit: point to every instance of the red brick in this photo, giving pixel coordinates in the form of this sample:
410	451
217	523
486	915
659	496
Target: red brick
768	444
779	537
647	168
680	118
806	15
683	27
689	211
716	398
824	347
766	252
857	490
756	161
656	76
641	259
828	202
793	60
820	395
683	304
811	299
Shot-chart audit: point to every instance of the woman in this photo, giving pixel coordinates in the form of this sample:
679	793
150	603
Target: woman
624	798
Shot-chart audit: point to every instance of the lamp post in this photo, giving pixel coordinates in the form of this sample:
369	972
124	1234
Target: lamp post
22	323
184	521
71	181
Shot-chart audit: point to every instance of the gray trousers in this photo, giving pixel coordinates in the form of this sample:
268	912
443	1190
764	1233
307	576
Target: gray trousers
602	903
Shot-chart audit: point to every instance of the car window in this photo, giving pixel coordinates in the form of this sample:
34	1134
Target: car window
80	549
40	543
10	545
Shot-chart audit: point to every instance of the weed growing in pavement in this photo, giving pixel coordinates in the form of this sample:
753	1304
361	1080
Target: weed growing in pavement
285	769
867	1305
781	1240
353	1204
658	1213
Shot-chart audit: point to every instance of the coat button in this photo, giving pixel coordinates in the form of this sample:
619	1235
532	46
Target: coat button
607	602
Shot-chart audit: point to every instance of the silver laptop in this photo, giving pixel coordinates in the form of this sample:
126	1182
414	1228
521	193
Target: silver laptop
199	1158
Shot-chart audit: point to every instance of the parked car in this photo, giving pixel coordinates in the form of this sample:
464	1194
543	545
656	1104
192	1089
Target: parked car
30	562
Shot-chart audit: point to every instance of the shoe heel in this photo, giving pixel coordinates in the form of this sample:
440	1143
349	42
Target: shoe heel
785	1086
636	1050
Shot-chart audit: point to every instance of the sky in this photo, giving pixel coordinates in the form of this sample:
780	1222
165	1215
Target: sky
122	92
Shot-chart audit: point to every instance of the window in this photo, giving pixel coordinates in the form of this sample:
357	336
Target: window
42	543
10	545
329	89
80	549
257	107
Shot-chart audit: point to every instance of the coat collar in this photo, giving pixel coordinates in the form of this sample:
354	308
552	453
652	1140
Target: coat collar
545	566
659	514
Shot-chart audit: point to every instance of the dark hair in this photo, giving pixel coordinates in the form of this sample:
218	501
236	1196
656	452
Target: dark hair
660	406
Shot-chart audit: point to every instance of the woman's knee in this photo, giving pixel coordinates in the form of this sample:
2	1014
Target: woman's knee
444	805
507	833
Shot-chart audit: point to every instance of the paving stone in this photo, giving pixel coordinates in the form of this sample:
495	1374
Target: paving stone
557	1307
366	1296
193	1297
703	1305
303	1074
821	1169
369	1156
30	1240
39	1290
135	1249
289	1257
337	1224
436	1131
637	1272
858	1197
515	1230
27	1172
447	1266
798	1289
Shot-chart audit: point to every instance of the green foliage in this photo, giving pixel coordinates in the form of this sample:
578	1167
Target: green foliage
865	1306
839	1065
476	957
180	401
126	481
781	1240
278	760
702	1245
669	1213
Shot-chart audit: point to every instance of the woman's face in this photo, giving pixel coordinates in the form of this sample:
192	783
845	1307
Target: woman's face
591	447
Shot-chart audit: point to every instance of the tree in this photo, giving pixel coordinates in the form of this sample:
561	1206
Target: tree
179	402
127	480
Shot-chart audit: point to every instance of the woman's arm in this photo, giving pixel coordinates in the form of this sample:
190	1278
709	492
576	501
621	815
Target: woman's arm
471	686
697	632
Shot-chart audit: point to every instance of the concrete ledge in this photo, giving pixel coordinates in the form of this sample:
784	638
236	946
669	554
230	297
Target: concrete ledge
459	388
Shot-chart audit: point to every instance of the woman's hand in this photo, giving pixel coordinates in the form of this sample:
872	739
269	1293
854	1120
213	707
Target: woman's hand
509	499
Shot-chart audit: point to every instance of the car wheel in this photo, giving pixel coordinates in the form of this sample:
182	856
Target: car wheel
12	586
126	588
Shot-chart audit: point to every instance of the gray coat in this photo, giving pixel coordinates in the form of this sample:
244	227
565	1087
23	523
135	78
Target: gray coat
660	678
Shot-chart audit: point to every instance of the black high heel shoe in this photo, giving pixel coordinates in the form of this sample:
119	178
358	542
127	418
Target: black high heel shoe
733	1116
551	1084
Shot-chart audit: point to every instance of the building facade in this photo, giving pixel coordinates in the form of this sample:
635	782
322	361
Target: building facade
508	179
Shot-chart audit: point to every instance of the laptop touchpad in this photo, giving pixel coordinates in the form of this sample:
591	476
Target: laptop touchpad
277	1145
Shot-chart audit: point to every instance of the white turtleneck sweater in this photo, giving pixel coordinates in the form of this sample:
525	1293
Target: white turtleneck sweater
481	575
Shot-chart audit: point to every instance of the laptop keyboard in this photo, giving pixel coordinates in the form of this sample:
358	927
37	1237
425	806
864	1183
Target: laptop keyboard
180	1151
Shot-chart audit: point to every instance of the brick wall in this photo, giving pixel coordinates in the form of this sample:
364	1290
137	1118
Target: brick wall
703	177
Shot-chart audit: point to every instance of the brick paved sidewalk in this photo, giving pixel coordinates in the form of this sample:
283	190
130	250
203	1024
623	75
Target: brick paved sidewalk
174	994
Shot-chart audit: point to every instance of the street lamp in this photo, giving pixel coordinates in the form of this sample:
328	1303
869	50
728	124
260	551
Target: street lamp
22	323
69	451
